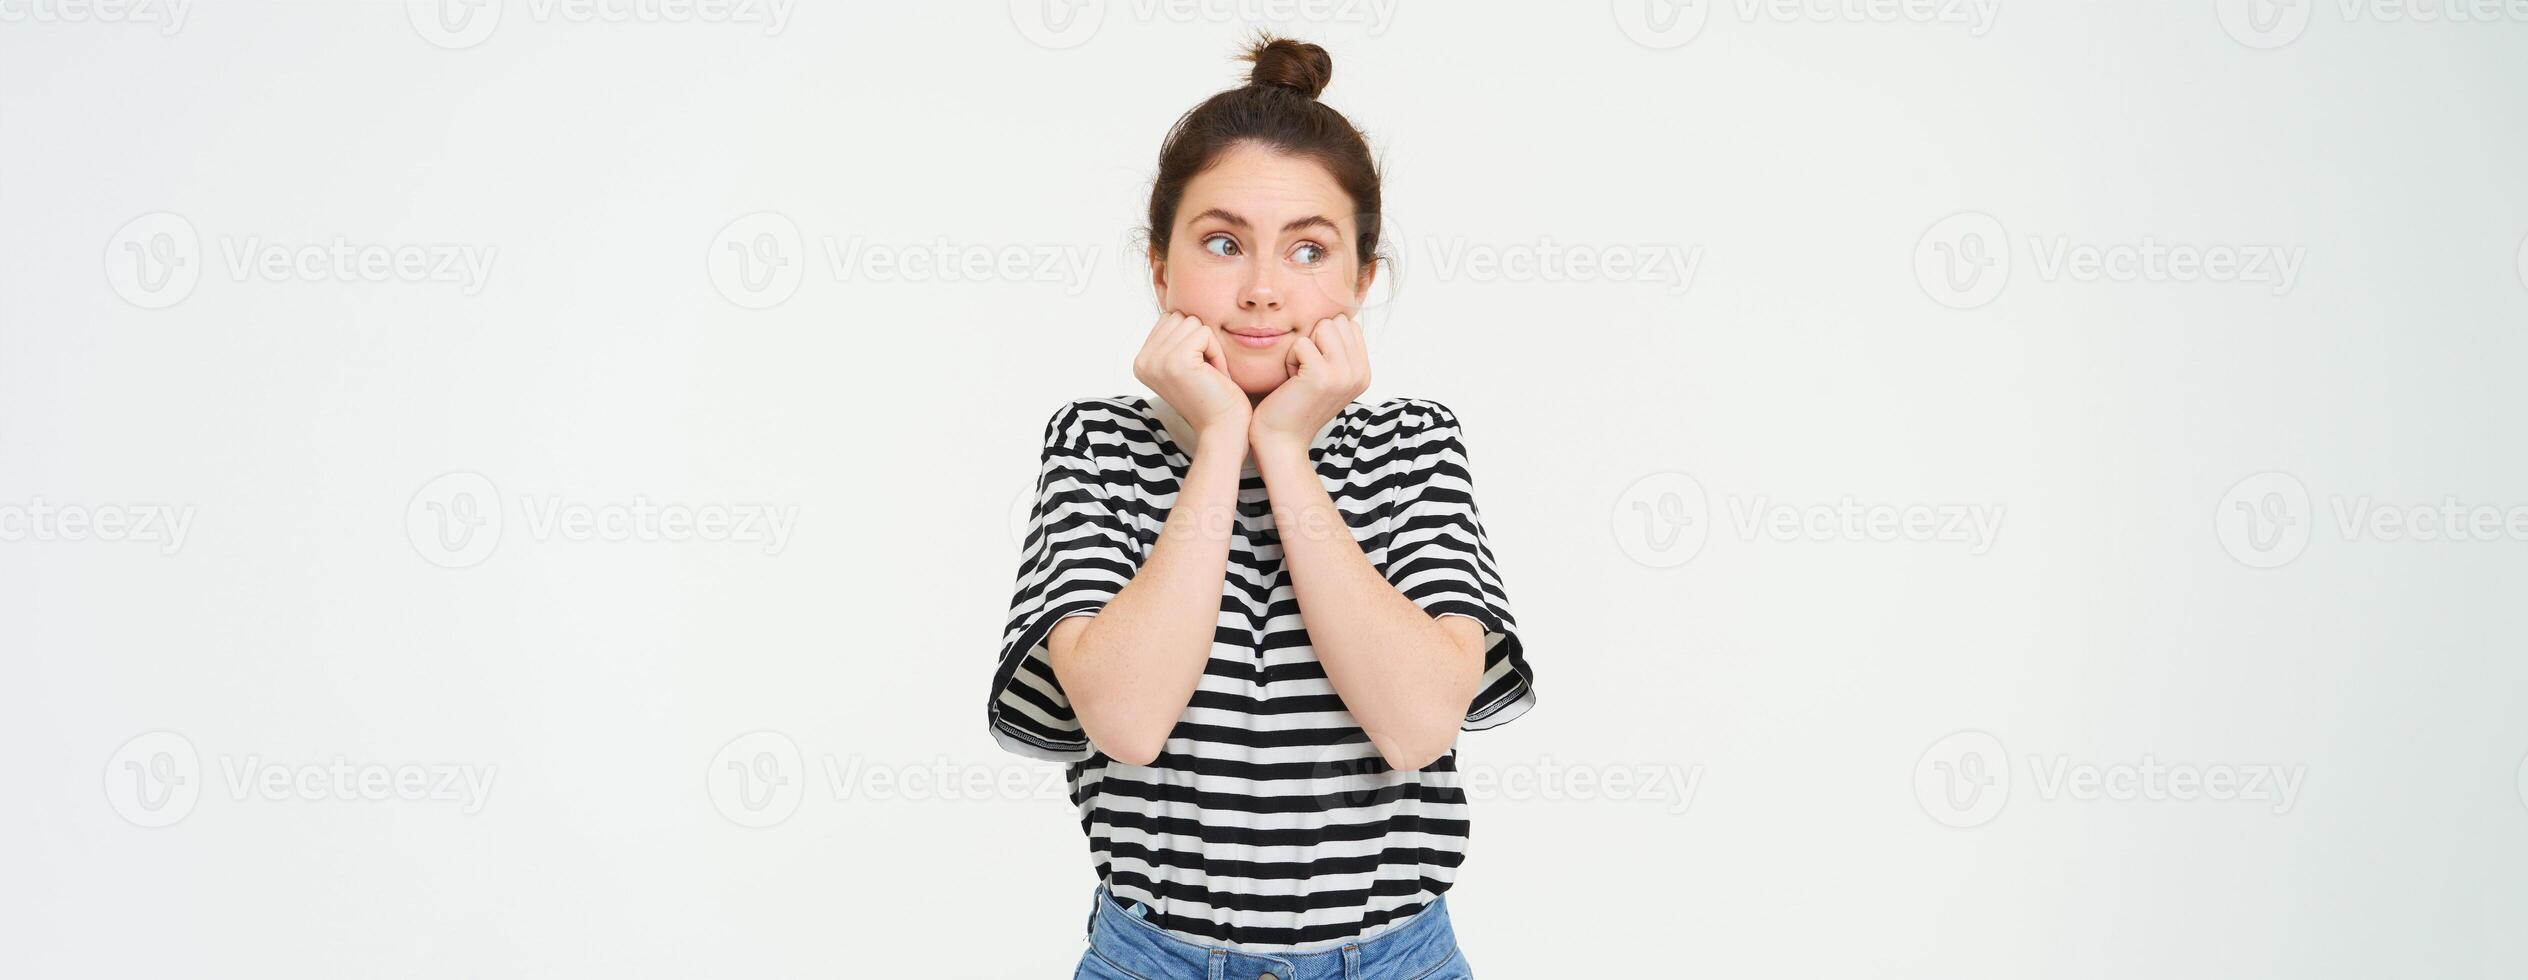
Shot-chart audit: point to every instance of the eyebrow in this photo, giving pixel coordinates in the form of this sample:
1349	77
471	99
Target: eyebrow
1311	221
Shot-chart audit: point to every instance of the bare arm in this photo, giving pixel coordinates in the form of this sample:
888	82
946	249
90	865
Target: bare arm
1406	676
1131	668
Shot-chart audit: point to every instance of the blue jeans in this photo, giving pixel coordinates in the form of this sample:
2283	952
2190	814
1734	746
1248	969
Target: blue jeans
1122	945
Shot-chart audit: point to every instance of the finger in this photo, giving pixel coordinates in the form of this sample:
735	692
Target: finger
1306	357
1166	335
1332	340
1214	353
1192	337
1356	348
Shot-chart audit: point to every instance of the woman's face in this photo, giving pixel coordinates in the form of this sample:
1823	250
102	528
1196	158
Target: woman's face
1263	248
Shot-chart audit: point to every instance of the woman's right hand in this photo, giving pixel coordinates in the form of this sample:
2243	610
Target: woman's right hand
1183	362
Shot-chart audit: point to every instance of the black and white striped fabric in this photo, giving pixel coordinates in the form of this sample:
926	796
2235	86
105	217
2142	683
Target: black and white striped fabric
1268	821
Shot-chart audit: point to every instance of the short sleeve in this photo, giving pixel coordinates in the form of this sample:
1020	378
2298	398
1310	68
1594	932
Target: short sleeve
1077	554
1439	557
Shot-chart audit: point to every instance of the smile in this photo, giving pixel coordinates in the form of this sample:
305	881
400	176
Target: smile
1258	341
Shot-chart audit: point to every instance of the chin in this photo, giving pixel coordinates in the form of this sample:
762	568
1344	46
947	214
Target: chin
1259	387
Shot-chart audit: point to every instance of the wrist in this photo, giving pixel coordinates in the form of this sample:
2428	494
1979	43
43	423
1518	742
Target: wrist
1277	444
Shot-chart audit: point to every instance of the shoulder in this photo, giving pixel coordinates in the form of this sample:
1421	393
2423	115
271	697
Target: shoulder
1118	416
1405	416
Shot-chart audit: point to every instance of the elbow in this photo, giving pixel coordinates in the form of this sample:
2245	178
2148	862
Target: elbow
1130	748
1133	754
1414	752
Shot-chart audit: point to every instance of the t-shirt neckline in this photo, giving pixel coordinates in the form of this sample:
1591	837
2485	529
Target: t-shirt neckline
1157	409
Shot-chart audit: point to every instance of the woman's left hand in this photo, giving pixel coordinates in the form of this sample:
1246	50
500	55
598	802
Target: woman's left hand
1329	366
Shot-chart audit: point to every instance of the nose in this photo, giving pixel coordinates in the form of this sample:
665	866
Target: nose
1262	292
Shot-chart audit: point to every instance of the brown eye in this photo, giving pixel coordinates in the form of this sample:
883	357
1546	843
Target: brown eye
1227	246
1308	253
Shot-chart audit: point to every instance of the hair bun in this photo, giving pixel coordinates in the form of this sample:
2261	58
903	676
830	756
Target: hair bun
1295	65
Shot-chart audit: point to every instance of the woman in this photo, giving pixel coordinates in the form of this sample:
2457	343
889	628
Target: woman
1253	612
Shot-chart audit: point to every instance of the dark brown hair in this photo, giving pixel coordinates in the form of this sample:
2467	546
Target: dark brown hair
1277	108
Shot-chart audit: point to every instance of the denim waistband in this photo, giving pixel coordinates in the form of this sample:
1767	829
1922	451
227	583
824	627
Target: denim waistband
1121	934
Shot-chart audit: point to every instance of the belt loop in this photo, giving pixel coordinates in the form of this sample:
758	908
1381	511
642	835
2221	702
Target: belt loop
1219	965
1351	961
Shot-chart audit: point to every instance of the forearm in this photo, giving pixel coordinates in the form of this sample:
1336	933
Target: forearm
1403	676
1130	669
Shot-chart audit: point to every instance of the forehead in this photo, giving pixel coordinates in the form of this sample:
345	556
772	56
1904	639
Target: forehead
1266	187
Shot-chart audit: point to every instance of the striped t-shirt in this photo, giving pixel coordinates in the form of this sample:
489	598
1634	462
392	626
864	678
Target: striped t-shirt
1268	820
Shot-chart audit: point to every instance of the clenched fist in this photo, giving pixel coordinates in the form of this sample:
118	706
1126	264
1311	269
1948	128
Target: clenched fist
1183	362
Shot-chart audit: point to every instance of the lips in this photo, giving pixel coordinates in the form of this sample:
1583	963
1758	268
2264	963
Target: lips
1259	339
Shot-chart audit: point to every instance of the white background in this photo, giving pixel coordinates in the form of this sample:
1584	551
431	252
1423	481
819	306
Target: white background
2143	603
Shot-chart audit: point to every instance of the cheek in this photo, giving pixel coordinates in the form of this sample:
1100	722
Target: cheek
1325	295
1324	302
1206	293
